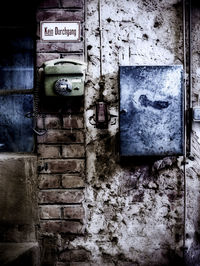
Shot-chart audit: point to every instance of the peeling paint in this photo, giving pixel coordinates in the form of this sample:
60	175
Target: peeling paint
135	209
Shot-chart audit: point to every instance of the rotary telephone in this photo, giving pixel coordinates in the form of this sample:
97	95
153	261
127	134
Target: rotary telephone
64	77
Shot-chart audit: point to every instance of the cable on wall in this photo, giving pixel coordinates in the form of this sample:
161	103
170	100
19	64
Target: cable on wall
185	113
190	74
101	80
187	63
100	40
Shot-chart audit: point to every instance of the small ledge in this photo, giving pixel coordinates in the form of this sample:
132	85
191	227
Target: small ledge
12	155
9	252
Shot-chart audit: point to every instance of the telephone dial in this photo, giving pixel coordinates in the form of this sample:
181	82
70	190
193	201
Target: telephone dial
64	77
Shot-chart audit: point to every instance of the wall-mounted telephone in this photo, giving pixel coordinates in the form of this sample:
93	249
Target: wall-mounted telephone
64	77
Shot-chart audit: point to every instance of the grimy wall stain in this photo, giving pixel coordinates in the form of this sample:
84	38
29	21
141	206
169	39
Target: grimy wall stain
95	209
193	169
134	208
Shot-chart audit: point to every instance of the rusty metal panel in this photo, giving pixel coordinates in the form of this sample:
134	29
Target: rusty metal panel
151	110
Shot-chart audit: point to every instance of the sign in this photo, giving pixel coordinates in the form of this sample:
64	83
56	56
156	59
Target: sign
60	31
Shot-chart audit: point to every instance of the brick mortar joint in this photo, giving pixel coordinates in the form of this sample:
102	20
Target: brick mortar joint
59	160
61	157
68	9
62	189
75	207
64	205
62	219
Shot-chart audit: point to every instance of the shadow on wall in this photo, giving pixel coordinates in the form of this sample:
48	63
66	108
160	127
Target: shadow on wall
18	208
193	254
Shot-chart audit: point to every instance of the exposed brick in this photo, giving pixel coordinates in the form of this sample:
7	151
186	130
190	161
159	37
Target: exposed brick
60	47
60	196
75	255
49	121
55	104
49	181
62	136
173	196
49	4
43	57
67	263
86	264
65	256
79	255
71	181
164	163
72	121
49	250
76	47
46	47
122	263
73	56
46	151
61	227
74	212
50	212
61	166
59	15
72	3
138	196
64	264
73	150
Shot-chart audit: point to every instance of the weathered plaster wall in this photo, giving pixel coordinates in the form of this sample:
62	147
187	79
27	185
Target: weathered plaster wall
134	209
193	166
118	212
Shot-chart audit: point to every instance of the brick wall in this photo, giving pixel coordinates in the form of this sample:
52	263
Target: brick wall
61	151
135	209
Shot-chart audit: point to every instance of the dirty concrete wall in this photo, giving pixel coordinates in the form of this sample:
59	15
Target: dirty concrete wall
132	212
134	208
192	166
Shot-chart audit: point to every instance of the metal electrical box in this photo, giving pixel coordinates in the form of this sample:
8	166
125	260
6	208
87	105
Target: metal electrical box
151	110
64	77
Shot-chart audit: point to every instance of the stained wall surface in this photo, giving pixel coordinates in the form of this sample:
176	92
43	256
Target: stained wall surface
94	207
192	166
135	208
18	200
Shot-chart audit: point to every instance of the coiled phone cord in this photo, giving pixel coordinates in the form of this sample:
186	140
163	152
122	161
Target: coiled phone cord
35	114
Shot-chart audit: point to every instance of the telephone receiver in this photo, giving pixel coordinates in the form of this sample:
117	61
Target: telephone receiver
65	61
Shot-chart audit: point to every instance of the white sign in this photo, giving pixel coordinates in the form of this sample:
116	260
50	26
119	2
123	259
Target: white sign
60	31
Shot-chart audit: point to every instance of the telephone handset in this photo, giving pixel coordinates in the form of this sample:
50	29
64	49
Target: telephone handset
62	61
64	77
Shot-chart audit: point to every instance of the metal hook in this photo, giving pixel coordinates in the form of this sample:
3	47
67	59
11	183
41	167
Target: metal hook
29	115
114	122
110	118
40	132
92	118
